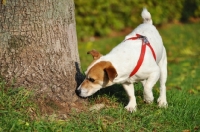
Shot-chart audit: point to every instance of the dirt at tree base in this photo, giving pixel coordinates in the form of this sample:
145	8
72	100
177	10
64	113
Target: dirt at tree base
60	110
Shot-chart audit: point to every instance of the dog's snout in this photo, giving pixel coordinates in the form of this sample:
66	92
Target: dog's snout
78	91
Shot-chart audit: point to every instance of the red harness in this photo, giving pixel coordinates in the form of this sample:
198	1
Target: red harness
145	43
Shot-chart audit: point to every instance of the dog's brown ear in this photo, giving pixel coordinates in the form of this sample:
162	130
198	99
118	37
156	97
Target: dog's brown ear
96	55
110	71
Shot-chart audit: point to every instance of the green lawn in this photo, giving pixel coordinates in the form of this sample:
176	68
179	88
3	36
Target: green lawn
183	94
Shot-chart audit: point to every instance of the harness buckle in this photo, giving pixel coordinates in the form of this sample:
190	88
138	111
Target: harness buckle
144	39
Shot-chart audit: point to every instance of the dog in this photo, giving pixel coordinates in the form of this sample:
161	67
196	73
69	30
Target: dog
140	57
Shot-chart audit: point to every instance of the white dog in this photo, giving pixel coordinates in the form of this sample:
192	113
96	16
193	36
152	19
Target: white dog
140	57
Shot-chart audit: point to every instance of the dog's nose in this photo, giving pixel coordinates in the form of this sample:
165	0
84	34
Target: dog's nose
78	91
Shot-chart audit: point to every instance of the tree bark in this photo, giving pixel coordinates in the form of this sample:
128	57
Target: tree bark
38	47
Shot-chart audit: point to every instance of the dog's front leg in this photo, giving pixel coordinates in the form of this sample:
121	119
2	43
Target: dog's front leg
129	88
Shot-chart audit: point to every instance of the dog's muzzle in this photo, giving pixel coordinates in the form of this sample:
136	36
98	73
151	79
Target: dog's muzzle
78	91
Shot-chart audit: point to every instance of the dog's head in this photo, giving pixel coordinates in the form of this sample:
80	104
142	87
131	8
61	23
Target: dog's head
99	75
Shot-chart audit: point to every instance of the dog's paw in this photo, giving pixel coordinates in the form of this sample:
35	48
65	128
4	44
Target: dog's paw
131	108
148	99
162	103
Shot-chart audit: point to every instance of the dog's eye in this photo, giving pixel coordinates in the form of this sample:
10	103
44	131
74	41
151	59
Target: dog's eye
90	79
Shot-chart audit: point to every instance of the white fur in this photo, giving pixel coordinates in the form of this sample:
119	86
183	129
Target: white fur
124	58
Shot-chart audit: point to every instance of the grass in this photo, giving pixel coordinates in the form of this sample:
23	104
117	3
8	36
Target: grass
183	94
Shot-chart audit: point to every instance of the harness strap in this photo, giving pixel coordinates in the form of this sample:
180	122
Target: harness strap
145	43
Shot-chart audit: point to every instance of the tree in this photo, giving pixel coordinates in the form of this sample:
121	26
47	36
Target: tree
38	48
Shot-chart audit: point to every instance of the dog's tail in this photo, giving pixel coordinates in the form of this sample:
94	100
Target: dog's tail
146	16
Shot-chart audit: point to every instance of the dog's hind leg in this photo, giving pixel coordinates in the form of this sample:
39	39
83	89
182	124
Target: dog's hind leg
148	85
129	88
162	101
143	82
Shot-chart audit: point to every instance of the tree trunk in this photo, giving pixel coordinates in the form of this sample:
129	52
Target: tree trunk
38	47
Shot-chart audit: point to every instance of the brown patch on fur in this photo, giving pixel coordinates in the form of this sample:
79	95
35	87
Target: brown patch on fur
89	85
103	73
111	72
96	55
98	71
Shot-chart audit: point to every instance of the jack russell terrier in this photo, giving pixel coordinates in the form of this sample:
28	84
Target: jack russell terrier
140	57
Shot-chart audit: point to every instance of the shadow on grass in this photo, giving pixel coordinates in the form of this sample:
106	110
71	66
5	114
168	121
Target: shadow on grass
117	91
